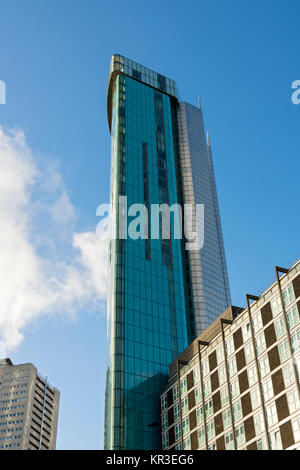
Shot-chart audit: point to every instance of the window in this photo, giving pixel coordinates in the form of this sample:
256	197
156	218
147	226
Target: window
276	306
296	429
271	415
263	364
10	446
288	295
164	421
232	367
260	343
165	440
249	353
222	375
257	322
226	418
208	408
261	444
240	435
279	328
196	374
211	429
220	355
201	437
293	317
176	412
296	340
246	332
199	414
276	440
184	405
284	350
205	367
293	401
288	375
237	410
268	389
163	403
224	397
259	423
234	388
229	444
207	387
175	393
187	443
198	395
177	432
186	425
136	74
229	345
183	386
255	398
213	446
297	363
252	376
161	82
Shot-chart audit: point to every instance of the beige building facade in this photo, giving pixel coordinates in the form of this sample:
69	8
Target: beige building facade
28	408
236	387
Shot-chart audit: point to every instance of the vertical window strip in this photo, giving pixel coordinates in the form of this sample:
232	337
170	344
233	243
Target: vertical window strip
163	190
146	199
163	196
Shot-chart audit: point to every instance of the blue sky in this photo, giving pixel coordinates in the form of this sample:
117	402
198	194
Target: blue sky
241	57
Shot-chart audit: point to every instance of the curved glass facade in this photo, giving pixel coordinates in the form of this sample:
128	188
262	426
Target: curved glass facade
147	316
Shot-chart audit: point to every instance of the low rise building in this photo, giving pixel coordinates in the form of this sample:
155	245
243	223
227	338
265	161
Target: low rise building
236	387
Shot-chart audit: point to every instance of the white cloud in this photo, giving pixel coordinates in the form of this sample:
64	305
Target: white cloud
45	266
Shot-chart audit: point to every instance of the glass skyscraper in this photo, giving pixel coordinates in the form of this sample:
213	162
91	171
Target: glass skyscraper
160	295
208	269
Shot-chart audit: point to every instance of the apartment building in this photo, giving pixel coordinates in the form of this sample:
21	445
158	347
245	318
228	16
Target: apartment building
236	387
28	408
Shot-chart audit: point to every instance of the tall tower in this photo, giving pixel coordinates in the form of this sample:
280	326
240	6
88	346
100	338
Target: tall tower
208	269
28	408
156	303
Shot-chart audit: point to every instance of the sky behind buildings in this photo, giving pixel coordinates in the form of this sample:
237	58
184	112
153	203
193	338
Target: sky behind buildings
241	57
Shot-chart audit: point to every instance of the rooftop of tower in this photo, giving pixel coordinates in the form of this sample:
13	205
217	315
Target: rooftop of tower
122	65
